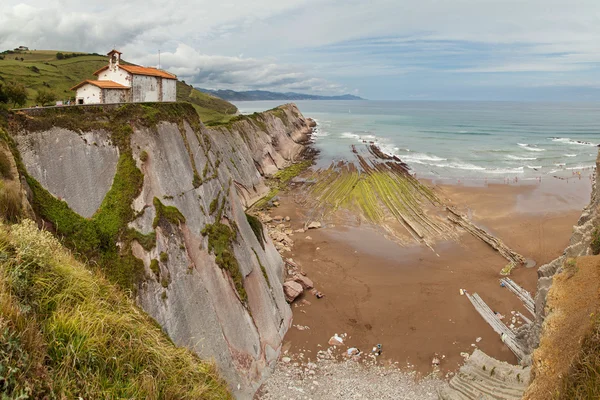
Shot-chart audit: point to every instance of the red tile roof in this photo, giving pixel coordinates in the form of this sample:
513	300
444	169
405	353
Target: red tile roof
136	70
101	85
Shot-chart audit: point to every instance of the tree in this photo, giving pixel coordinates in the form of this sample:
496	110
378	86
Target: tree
44	97
60	56
16	93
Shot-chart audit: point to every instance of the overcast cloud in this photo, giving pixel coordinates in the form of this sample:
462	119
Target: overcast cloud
431	49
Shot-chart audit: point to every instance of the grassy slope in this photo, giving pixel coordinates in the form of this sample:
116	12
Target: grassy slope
60	75
66	332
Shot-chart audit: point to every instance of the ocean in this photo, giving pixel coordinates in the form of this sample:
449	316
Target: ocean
460	140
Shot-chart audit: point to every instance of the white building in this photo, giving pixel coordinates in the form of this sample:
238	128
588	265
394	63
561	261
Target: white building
126	83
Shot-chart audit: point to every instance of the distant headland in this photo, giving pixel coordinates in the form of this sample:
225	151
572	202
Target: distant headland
255	95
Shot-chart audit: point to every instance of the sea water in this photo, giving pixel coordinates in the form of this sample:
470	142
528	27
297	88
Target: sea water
462	140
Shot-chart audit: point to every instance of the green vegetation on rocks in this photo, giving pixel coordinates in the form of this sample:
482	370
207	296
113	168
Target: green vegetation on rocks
595	245
167	213
280	180
220	243
66	333
257	228
96	239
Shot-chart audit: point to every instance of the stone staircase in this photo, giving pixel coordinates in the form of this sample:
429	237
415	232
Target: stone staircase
483	377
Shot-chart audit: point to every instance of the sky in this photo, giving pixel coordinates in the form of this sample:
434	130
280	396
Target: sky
378	49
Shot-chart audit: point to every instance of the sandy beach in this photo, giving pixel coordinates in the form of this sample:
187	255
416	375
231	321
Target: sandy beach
407	298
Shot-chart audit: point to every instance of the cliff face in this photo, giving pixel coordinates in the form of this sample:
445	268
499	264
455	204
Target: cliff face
579	246
212	282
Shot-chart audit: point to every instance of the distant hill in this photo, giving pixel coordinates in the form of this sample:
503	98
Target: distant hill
251	95
58	71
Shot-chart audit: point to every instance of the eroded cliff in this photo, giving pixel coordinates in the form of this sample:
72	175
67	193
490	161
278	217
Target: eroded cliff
158	200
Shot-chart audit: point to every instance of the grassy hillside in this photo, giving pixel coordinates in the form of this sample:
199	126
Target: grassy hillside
67	333
41	69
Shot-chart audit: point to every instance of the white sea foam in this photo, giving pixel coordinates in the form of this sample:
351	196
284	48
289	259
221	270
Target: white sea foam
534	166
581	167
421	157
570	155
518	170
350	135
521	158
530	147
460	165
571	141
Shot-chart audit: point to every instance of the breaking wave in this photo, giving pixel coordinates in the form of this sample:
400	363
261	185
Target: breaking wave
530	147
571	141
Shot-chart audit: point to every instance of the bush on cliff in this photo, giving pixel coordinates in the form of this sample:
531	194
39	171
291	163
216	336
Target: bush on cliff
66	332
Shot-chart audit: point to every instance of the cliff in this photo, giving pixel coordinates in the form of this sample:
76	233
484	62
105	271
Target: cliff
580	242
158	200
564	337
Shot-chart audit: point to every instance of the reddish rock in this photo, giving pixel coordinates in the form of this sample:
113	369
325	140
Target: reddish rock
292	290
304	281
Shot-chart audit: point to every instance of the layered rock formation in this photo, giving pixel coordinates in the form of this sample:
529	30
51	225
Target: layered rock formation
210	281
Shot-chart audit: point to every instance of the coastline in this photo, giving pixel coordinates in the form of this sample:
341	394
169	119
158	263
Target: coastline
408	297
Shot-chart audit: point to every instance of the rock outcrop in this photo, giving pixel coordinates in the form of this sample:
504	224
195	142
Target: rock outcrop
209	279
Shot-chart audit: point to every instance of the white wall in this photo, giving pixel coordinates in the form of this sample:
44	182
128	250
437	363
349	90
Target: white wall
145	88
89	93
118	75
169	90
116	95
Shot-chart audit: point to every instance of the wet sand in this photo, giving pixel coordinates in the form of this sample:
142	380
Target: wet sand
407	298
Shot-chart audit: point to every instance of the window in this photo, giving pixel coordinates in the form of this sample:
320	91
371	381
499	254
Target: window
79	101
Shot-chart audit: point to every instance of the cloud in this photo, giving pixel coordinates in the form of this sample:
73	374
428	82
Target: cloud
321	45
238	73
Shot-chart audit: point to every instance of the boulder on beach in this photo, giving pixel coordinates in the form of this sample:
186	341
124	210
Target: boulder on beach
304	281
311	122
336	340
292	290
314	225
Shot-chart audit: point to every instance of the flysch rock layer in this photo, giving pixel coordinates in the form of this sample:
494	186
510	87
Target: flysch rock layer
199	308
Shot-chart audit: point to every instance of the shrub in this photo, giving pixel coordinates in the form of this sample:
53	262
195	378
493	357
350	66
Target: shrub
164	257
16	93
154	267
44	97
144	156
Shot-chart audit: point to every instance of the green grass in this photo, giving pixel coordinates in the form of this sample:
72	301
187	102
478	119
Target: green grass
58	76
212	110
220	243
68	333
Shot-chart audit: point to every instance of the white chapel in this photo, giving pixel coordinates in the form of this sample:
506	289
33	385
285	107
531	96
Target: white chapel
118	83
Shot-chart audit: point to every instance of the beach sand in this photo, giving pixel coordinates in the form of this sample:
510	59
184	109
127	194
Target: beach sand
407	298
